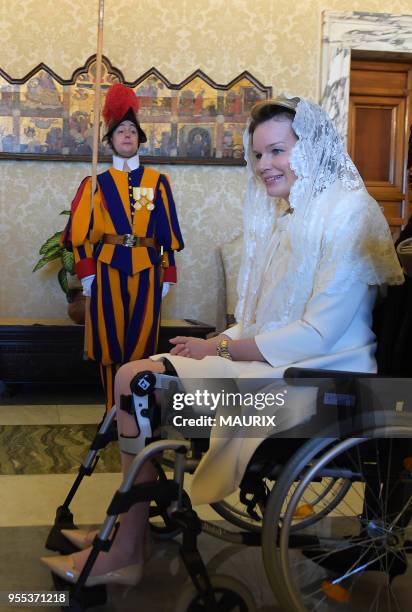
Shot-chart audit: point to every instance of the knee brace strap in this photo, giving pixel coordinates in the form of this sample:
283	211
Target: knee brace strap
169	367
126	404
139	408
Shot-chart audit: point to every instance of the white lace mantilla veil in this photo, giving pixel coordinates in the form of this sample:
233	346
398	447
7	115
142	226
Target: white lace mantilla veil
335	236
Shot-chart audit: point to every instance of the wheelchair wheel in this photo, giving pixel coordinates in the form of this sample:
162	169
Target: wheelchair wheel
231	596
358	554
319	500
235	512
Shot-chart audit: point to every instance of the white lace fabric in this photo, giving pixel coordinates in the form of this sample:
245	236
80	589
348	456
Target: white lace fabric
335	236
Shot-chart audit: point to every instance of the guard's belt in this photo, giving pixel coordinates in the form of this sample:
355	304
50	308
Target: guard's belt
130	240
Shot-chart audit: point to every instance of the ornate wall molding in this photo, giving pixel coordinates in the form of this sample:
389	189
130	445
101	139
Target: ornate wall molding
197	121
344	32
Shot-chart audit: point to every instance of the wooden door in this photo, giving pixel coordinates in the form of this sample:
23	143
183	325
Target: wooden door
380	113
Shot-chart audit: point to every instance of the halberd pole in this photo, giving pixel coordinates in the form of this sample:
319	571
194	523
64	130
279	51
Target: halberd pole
96	138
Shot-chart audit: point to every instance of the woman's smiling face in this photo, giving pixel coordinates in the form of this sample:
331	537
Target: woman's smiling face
273	141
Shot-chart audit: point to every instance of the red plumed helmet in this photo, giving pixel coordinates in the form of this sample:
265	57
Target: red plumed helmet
121	103
119	99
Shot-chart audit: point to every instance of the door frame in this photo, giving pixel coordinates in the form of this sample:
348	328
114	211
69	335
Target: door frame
345	31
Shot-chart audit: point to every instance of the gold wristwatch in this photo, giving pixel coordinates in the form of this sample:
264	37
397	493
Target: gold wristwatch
222	349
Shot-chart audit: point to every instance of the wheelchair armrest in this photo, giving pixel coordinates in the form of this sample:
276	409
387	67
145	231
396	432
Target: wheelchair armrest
298	376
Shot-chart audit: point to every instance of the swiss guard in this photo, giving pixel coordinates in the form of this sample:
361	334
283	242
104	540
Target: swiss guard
124	245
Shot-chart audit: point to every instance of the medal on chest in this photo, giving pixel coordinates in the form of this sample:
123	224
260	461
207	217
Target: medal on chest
143	197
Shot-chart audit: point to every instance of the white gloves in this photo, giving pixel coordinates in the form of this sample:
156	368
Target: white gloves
87	282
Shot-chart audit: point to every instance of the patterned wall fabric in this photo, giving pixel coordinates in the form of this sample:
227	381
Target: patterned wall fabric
278	41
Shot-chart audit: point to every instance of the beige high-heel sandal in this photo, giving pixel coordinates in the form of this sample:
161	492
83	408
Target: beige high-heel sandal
63	566
83	538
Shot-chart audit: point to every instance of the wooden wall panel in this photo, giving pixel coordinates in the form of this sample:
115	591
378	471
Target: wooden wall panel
376	82
380	114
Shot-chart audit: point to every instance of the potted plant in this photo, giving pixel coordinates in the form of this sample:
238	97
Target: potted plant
53	249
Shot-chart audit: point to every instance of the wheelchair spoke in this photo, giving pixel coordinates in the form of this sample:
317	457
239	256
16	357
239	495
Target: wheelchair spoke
399	515
367	543
380	485
375	603
338	511
388	472
312	591
320	602
354	492
304	568
367	492
390	596
351	544
355	568
358	468
317	594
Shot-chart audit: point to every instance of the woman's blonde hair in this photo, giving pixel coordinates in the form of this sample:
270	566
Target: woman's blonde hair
277	108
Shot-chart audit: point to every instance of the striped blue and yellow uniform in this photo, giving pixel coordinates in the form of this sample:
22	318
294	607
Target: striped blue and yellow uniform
126	293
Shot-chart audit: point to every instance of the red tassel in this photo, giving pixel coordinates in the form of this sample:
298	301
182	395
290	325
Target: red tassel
119	99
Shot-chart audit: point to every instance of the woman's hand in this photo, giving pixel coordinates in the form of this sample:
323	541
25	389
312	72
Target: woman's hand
196	348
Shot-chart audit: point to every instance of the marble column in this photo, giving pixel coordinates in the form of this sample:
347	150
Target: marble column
345	31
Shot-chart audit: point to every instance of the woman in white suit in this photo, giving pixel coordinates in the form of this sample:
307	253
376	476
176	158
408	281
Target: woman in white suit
316	246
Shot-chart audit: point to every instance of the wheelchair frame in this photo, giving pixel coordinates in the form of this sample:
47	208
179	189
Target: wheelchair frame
279	535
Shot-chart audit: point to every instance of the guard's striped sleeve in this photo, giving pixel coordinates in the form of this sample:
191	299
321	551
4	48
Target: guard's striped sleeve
83	222
168	230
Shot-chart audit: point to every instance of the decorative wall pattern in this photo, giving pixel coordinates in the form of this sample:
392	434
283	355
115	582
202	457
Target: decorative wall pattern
278	41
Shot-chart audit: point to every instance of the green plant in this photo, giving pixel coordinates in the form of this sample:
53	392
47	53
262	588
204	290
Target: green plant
53	249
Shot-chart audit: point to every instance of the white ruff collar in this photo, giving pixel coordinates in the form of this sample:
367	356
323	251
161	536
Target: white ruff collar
132	162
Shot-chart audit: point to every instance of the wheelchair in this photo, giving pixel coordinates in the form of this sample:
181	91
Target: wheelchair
331	513
329	504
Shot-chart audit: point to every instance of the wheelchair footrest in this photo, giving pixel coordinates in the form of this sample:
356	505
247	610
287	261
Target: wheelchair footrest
162	493
55	540
64	518
58	543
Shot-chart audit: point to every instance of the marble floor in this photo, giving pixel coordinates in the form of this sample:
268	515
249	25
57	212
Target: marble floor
44	435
